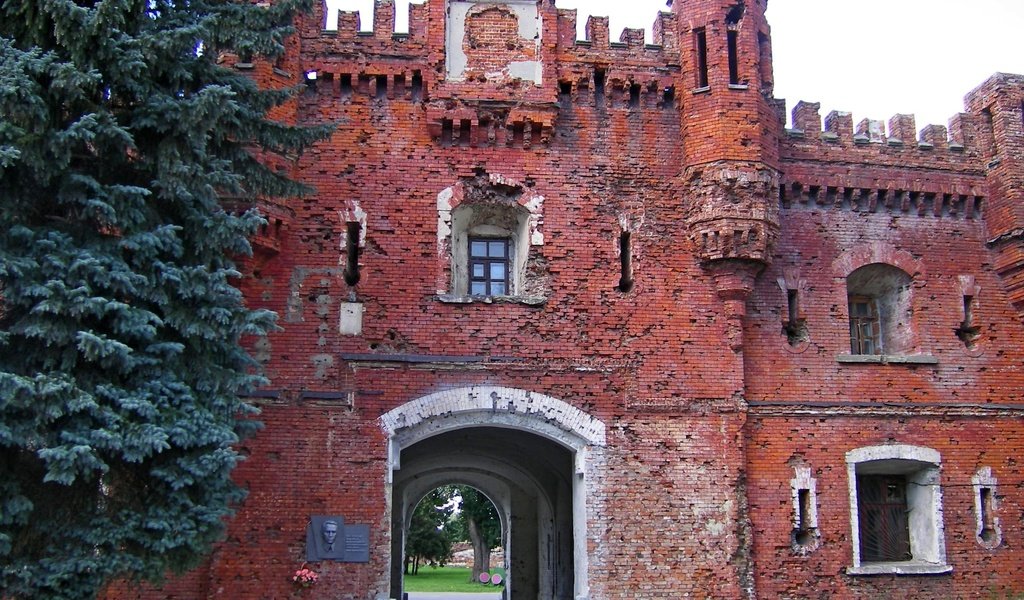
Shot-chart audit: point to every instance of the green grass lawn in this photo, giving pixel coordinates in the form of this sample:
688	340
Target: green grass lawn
447	579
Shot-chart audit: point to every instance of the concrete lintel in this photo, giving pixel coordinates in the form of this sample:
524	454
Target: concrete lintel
888	359
901	568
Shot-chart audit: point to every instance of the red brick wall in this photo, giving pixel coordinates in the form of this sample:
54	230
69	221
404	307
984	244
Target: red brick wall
492	41
820	442
832	408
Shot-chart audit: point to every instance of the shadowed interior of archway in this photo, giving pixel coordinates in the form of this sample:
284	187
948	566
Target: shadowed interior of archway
529	480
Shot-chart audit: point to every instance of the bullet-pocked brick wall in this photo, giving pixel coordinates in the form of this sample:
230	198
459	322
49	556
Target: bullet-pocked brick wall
492	41
712	397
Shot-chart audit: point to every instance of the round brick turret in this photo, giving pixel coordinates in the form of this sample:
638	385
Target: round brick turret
730	138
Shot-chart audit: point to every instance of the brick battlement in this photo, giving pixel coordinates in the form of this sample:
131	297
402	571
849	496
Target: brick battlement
872	141
597	36
347	25
482	107
345	29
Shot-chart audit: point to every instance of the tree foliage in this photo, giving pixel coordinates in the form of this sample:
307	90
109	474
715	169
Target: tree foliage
429	538
448	514
474	506
120	361
477	522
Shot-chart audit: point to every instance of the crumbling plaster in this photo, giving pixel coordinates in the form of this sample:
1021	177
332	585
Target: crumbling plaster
528	21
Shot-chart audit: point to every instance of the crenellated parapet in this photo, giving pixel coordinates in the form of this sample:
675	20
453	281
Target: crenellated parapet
896	143
344	61
347	26
488	74
597	42
628	74
436	34
971	171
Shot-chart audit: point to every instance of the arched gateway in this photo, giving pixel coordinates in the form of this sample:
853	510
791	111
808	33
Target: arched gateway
527	452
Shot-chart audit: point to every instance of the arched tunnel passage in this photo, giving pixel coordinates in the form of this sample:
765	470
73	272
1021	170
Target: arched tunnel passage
534	455
528	477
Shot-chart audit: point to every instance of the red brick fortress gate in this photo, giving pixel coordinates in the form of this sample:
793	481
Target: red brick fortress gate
687	352
527	452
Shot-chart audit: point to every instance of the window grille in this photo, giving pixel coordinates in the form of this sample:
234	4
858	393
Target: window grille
884	518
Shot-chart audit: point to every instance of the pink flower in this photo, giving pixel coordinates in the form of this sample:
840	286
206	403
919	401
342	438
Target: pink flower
305	577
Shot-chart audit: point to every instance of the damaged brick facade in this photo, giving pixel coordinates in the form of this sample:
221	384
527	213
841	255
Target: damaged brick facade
718	428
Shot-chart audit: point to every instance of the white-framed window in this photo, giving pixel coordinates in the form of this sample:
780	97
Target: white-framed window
804	491
986	509
489	241
896	511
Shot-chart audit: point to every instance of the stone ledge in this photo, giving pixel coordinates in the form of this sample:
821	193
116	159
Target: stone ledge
901	568
527	300
888	359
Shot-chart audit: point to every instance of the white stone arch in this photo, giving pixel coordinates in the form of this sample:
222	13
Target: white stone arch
509	408
494	406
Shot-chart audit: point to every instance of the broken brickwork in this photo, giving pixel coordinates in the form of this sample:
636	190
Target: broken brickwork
678	319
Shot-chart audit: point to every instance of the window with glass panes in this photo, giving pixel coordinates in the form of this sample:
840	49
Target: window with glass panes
865	327
489	265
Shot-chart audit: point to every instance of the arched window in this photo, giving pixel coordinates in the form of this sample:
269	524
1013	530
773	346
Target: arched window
880	308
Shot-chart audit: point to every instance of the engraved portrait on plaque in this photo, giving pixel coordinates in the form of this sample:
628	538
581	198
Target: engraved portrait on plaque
329	538
322	541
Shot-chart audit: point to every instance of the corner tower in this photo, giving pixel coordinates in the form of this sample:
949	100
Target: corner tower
998	110
730	128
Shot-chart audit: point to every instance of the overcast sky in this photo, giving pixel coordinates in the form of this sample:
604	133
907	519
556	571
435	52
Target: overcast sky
874	58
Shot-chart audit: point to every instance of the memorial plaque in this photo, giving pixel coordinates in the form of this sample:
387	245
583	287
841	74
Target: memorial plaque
329	538
357	543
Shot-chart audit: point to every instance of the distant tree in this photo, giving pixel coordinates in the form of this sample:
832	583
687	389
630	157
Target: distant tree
120	326
477	522
429	541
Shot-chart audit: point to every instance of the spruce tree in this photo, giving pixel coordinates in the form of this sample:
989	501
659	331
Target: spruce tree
121	364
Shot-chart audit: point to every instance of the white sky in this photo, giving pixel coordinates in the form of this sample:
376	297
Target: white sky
874	58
